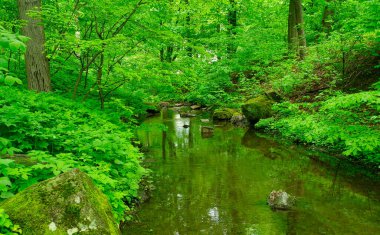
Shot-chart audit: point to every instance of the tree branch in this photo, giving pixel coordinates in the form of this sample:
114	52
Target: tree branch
121	26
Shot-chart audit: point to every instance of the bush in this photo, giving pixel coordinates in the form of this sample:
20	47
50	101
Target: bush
347	123
55	135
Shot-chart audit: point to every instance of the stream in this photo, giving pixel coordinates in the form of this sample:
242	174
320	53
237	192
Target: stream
218	183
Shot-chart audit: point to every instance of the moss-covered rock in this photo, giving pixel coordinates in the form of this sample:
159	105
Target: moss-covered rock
257	108
238	119
67	204
223	114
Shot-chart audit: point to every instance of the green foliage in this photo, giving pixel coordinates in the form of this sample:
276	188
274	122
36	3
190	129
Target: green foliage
9	44
347	123
6	225
58	135
212	91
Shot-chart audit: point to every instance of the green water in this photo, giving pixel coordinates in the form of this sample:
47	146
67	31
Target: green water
219	185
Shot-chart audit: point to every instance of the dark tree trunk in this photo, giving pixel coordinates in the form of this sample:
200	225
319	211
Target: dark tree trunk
232	21
296	32
189	49
37	65
99	81
300	29
328	13
292	30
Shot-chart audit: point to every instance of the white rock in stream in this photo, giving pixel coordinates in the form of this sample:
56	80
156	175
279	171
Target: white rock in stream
280	200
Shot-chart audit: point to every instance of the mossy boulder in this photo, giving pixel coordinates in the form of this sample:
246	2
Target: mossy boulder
223	114
67	204
257	108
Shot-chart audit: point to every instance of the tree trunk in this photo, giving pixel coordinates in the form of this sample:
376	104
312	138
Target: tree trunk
232	21
37	65
326	19
292	31
296	32
189	49
300	29
99	81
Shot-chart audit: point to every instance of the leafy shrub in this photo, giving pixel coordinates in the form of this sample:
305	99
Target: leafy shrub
9	43
57	135
348	123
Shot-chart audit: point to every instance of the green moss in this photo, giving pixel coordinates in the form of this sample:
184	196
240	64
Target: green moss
223	114
68	201
257	108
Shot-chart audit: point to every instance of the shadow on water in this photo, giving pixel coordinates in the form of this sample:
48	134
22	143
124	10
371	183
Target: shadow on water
219	184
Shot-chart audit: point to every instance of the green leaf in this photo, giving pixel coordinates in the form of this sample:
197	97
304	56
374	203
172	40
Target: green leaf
4	181
6	162
3	63
9	80
4	141
16	45
118	162
22	38
4	42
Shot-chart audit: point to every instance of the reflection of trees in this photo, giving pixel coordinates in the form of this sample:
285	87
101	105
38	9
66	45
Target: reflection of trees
191	134
219	185
178	137
163	144
269	148
234	194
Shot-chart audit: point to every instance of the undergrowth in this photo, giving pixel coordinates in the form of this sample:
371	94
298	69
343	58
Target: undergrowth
43	135
348	123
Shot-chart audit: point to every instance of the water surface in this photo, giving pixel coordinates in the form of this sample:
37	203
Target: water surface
219	184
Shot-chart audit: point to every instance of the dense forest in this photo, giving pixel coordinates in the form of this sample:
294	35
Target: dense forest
78	77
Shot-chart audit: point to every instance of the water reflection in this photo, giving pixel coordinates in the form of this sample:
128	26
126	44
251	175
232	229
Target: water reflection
219	185
214	214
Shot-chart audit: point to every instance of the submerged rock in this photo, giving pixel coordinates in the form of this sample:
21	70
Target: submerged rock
257	108
207	131
195	107
67	204
280	200
178	104
205	120
187	115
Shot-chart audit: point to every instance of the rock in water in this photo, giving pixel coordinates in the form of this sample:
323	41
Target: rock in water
207	131
187	115
280	200
257	108
67	204
239	120
223	114
195	107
